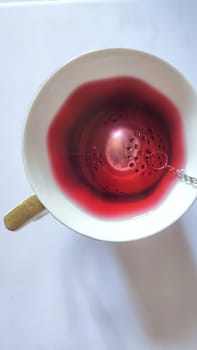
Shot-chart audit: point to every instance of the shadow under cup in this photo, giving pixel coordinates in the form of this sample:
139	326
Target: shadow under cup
104	140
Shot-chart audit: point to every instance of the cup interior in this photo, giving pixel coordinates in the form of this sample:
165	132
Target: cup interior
90	67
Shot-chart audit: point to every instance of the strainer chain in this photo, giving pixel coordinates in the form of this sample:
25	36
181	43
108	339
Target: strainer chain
185	177
179	172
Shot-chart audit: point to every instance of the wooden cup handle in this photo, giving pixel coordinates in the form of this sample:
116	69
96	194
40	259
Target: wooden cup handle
29	209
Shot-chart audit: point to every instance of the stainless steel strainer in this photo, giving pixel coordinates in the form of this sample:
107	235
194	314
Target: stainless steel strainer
116	151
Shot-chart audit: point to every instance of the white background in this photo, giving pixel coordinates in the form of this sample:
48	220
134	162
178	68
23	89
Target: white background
59	290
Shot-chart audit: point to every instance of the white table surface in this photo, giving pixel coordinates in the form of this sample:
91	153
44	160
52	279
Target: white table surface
59	290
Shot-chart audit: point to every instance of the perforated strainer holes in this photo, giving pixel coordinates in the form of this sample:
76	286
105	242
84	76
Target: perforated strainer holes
135	159
158	141
100	158
117	191
86	157
160	144
115	117
93	160
147	155
136	146
137	170
148	151
155	139
112	116
137	133
131	165
143	168
108	189
158	161
141	131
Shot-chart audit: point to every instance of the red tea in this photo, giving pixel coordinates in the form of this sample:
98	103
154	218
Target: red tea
100	142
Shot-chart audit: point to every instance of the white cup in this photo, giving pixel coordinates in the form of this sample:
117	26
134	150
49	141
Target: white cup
48	195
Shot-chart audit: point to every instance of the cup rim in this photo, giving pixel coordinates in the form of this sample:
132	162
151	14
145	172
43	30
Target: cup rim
121	237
